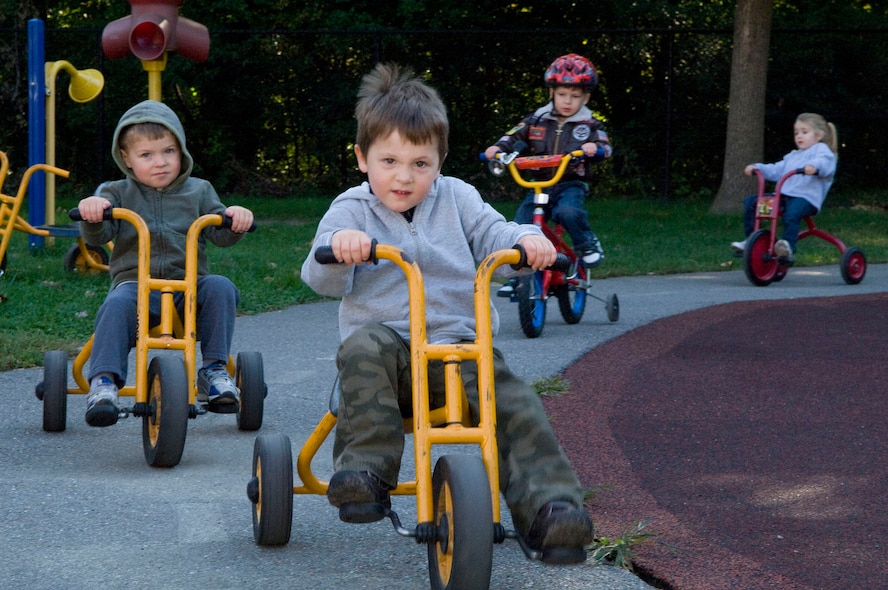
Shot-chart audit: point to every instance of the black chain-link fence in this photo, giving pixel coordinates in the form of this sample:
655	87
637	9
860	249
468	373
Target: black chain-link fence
271	111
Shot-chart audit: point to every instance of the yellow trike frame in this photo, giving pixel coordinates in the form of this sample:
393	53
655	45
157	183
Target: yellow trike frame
166	388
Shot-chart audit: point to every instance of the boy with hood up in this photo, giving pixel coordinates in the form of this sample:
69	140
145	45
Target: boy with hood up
149	148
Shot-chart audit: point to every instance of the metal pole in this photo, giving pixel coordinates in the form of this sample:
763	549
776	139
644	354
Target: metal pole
36	129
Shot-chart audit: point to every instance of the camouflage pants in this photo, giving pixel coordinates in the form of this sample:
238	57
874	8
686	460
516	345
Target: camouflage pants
375	380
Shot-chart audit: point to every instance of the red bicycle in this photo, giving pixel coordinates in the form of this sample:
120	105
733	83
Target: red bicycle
570	288
761	263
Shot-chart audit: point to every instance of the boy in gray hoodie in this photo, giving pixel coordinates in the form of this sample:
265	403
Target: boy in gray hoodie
149	148
443	224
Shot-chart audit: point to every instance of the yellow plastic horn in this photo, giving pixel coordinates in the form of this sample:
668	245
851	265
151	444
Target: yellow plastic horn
86	85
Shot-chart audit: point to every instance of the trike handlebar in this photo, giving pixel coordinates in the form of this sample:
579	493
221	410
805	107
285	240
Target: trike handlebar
324	255
108	214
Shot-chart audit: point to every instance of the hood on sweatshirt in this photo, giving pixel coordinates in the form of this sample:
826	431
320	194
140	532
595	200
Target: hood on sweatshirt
151	111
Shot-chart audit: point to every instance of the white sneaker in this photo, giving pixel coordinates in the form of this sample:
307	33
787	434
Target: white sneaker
101	402
738	247
782	250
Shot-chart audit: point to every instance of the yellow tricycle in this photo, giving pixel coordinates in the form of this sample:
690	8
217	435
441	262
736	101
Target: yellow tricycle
458	505
165	390
81	256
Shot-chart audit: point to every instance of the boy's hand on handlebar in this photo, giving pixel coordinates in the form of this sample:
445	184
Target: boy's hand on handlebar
491	152
749	170
539	251
810	170
241	218
93	208
351	246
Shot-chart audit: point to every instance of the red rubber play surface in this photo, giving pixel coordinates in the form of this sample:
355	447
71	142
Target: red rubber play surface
753	434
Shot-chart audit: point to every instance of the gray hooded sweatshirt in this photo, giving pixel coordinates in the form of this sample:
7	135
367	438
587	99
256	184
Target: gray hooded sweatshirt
451	230
168	212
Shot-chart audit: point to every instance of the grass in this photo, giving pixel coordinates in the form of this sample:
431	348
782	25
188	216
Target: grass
43	307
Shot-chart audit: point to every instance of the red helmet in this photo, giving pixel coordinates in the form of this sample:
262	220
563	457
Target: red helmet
572	70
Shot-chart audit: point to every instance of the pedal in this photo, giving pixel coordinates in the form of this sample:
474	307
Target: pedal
231	408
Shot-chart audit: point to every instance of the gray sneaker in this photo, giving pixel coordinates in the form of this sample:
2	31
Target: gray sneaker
215	386
101	402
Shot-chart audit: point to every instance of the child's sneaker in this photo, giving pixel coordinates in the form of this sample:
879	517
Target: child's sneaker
508	288
561	531
593	256
738	247
782	250
359	495
216	386
101	402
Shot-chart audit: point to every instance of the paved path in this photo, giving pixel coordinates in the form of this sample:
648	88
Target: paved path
80	509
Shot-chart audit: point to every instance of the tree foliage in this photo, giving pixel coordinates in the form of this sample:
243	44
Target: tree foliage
271	110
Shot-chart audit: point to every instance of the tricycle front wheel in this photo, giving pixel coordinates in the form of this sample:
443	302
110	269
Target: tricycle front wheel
165	424
852	265
462	556
759	262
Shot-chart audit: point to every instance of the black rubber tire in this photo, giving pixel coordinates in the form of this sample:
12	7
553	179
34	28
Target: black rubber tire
571	302
462	557
74	260
852	265
55	390
612	306
531	312
758	262
250	377
271	489
165	425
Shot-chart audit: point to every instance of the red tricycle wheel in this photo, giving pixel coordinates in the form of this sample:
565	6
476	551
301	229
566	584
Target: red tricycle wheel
852	265
759	261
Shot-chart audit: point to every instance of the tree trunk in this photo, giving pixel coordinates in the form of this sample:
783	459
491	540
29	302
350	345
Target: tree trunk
746	102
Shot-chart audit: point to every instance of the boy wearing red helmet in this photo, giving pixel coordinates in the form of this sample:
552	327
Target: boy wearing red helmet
563	125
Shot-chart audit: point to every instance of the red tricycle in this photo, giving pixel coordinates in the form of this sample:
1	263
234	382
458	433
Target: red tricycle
762	264
533	291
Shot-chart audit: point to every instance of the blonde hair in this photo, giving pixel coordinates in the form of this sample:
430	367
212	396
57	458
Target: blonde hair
392	98
830	135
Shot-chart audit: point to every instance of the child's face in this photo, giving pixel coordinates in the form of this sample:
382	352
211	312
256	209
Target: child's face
400	173
154	162
568	100
805	135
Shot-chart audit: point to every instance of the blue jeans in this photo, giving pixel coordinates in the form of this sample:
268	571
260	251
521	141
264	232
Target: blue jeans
566	208
792	210
115	330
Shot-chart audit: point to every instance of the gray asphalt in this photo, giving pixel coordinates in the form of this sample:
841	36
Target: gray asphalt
81	509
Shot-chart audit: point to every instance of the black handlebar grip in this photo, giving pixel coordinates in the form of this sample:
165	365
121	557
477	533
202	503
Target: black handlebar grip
324	254
226	223
74	214
562	263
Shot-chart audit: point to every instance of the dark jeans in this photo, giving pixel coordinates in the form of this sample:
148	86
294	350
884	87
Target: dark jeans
115	331
792	210
566	207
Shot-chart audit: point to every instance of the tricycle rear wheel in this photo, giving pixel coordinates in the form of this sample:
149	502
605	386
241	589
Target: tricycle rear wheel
270	489
852	266
251	383
54	390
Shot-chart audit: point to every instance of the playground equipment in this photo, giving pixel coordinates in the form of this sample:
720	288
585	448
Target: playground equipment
81	256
